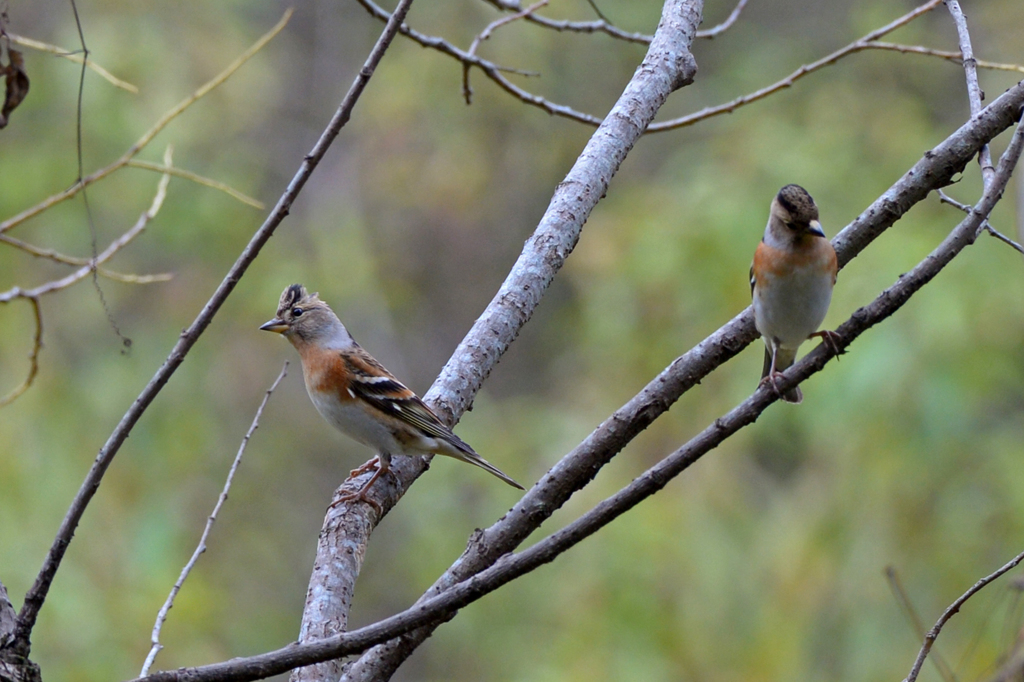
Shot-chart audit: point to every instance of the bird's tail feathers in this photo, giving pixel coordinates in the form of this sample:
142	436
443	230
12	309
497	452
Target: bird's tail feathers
460	450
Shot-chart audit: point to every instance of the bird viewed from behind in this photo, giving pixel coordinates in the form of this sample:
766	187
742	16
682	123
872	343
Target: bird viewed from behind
358	396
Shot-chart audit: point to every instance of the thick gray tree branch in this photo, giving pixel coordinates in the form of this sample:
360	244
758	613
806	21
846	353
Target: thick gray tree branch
667	67
14	665
37	593
511	566
936	169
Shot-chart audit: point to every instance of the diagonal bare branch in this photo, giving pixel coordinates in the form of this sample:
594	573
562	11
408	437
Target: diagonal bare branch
936	169
495	72
148	136
510	566
954	608
467	92
37	593
161	616
974	93
807	69
74	57
667	67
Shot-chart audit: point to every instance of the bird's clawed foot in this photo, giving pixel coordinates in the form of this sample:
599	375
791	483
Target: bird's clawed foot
830	340
771	379
360	495
367	466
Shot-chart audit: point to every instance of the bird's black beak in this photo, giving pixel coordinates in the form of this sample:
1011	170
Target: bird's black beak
276	325
814	227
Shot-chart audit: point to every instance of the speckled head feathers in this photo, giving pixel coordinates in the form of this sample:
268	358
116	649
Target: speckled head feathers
296	295
795	200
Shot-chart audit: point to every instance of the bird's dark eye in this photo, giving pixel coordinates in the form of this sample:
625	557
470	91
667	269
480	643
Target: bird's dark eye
297	312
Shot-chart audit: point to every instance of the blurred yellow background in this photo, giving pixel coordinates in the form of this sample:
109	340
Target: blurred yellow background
763	562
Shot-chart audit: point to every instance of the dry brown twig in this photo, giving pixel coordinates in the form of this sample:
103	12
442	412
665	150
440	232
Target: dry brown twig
148	136
986	225
496	72
33	295
952	610
36	595
161	617
74	57
467	91
602	25
956	57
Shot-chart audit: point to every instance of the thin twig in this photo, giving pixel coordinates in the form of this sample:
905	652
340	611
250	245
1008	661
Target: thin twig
149	134
93	263
953	608
974	93
716	31
602	25
511	566
199	179
577	468
88	267
907	606
494	72
598	26
467	91
956	57
36	595
161	616
74	57
986	225
856	46
57	257
33	358
491	70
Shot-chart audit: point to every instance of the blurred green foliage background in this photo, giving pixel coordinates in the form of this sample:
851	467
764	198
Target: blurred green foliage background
763	562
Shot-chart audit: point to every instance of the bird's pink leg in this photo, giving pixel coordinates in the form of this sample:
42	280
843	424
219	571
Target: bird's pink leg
383	466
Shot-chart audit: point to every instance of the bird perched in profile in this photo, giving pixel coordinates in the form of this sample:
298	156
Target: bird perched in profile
357	396
791	283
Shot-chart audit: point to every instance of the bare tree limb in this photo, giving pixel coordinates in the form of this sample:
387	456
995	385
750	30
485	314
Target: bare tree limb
73	57
974	93
467	92
596	26
987	226
907	606
88	267
494	72
8	617
954	608
33	361
199	180
721	28
491	70
957	57
107	254
510	566
37	593
148	136
602	25
161	616
576	469
856	46
667	67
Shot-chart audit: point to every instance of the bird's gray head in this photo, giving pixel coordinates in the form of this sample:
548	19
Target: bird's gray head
302	316
794	208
